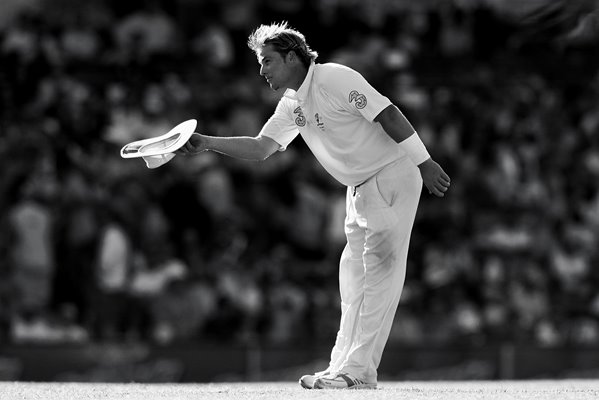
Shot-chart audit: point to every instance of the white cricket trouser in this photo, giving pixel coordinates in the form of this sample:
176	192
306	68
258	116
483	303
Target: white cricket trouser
378	224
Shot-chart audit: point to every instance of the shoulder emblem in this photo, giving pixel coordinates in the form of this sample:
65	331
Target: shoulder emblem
300	120
359	98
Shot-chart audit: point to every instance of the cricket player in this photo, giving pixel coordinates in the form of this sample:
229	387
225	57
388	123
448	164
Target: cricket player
367	144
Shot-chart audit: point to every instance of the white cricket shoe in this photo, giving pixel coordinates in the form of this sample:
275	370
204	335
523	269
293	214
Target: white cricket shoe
341	380
307	381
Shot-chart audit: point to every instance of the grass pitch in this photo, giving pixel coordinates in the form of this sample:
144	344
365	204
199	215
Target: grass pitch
491	390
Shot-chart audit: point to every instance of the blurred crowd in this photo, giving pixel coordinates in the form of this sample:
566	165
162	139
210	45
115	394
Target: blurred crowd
209	248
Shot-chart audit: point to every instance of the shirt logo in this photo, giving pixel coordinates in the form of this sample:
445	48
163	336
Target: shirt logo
359	98
300	120
319	122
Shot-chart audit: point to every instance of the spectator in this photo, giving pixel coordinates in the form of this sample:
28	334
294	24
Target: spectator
147	33
32	256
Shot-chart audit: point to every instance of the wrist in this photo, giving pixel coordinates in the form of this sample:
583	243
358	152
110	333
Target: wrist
204	142
415	149
425	162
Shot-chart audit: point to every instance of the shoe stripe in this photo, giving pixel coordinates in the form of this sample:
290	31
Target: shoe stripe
350	382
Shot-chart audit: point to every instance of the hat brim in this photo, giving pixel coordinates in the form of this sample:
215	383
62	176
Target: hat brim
158	160
162	145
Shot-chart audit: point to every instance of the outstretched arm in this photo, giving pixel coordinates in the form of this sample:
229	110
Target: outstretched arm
401	131
242	147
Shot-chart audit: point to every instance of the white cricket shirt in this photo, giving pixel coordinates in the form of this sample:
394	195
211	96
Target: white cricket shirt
333	110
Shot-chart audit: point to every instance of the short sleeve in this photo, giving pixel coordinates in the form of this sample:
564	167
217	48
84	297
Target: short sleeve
353	91
281	126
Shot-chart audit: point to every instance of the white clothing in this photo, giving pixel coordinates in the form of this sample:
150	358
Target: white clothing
114	259
334	111
33	249
378	225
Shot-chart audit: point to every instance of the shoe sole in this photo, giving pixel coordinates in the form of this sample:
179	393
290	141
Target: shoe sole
313	378
305	385
364	386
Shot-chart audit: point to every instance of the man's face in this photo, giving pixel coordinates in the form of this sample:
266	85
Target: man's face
274	68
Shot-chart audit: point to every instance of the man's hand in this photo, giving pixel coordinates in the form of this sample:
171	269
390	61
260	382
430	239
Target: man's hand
434	178
196	144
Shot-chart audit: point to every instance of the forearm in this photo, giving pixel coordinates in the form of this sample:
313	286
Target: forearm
397	126
242	147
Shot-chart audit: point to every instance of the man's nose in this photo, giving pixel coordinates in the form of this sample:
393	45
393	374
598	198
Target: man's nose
262	70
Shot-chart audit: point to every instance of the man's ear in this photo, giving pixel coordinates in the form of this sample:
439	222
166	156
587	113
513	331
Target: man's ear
291	56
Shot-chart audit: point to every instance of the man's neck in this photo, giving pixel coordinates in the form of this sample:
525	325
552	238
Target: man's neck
300	77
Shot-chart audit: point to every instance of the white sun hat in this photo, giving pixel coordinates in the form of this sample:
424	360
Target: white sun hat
159	150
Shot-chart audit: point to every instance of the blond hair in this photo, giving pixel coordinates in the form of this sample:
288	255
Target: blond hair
283	39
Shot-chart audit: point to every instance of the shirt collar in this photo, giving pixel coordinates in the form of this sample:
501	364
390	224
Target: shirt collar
302	92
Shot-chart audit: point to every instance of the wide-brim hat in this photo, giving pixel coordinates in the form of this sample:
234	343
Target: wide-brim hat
159	150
